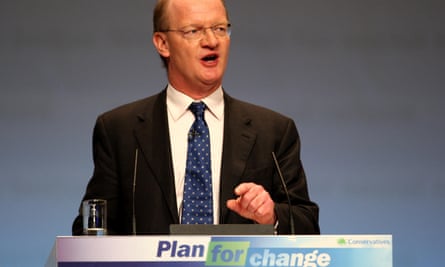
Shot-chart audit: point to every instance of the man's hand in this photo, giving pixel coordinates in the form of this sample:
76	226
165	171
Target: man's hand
253	203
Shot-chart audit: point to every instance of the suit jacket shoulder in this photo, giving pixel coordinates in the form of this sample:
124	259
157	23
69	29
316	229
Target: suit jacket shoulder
254	110
138	108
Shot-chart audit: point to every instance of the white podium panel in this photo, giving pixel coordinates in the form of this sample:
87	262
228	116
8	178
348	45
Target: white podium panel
254	251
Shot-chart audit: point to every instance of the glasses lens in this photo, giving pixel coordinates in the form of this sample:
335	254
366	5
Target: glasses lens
222	30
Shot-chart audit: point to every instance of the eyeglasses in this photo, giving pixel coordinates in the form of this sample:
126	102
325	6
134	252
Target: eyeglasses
196	33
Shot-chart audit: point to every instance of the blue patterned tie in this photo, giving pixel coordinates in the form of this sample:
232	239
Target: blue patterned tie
197	206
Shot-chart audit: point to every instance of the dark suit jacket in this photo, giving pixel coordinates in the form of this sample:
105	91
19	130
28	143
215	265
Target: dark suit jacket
251	133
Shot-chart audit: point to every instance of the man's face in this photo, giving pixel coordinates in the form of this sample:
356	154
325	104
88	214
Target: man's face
195	64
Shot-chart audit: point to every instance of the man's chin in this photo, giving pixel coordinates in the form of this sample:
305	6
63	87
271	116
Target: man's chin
211	76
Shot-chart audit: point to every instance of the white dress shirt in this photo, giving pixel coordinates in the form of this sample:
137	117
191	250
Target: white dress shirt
180	119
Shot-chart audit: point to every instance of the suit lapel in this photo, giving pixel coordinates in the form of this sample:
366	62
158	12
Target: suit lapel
154	142
239	139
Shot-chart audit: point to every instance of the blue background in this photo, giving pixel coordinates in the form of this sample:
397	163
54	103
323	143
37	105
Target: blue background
363	80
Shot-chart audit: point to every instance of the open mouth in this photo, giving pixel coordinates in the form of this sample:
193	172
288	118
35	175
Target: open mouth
211	57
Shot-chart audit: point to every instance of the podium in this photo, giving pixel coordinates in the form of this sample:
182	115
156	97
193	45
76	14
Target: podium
205	250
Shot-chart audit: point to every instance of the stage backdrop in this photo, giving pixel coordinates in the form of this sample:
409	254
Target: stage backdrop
364	81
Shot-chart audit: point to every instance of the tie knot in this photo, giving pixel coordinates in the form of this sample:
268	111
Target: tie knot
198	109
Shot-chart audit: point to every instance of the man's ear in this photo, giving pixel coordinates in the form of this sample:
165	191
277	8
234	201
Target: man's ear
161	44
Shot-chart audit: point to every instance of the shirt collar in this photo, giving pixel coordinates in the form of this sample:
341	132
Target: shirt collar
178	103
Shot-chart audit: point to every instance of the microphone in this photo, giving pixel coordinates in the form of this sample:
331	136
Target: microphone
283	183
134	190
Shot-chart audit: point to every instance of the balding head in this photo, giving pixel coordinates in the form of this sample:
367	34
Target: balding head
160	14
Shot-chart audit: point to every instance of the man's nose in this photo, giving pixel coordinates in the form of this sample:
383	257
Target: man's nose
209	38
